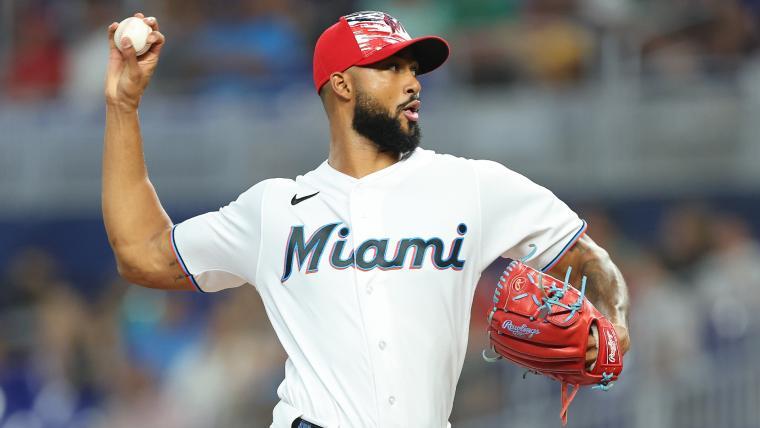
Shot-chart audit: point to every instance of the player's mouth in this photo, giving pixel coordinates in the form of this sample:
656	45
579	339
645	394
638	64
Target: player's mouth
412	111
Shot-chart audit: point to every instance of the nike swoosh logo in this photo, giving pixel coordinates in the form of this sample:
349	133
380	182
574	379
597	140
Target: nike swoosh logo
296	200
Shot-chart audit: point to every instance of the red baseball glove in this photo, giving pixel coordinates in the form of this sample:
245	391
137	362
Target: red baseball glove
543	324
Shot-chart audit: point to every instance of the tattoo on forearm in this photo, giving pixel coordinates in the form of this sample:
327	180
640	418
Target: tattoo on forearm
179	277
572	259
597	281
605	287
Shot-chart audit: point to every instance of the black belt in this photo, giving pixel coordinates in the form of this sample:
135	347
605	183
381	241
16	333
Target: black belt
300	423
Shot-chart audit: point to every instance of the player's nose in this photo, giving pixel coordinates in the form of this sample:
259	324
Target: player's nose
413	86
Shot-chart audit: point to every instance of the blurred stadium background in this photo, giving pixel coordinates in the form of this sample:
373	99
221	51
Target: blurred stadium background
642	114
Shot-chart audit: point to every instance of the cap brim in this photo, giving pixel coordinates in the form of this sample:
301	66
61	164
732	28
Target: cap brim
429	51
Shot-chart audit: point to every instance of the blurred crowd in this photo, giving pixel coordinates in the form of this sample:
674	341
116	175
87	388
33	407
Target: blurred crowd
53	49
124	356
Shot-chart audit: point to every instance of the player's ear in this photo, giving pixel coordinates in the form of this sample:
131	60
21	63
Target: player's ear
341	85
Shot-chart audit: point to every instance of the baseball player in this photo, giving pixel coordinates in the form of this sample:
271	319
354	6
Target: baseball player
366	265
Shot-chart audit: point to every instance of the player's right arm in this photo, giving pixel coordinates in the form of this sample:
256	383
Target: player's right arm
138	228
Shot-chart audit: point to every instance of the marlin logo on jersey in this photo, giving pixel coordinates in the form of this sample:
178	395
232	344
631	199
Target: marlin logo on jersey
370	254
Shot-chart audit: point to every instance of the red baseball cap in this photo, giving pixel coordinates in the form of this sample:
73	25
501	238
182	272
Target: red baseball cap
364	38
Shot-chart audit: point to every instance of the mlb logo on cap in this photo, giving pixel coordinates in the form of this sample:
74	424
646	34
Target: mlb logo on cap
364	38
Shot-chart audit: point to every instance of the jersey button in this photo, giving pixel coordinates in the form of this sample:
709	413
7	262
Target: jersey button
391	400
369	289
381	345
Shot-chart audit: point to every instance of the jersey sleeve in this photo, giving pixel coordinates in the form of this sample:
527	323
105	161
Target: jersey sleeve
517	213
220	250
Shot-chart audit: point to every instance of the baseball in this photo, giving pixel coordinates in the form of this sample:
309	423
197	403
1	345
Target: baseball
137	31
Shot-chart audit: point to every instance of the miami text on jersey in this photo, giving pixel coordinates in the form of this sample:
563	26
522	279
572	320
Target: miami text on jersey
370	254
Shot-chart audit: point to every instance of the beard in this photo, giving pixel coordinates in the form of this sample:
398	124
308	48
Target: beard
374	122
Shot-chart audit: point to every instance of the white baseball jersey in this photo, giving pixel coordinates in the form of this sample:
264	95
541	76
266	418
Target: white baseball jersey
369	282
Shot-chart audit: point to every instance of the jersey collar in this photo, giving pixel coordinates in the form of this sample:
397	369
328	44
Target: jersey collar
338	177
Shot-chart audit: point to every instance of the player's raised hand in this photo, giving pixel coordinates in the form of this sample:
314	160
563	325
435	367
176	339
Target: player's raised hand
127	75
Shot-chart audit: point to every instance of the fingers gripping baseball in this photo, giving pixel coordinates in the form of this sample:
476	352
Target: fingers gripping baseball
128	75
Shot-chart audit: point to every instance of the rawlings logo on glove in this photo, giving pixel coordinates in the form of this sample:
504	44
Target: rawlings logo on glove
543	324
612	346
521	331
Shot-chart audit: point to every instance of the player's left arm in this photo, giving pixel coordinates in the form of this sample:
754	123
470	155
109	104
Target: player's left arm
605	286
